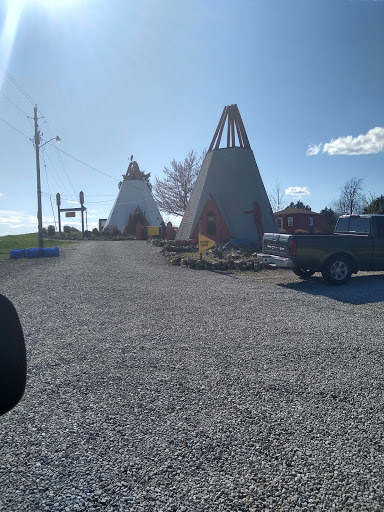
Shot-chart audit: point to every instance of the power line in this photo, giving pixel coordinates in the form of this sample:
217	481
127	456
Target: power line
90	166
50	196
9	124
13	80
13	103
57	172
63	186
59	157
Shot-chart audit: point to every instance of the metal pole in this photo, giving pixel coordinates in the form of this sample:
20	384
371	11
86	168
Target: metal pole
58	202
39	212
81	197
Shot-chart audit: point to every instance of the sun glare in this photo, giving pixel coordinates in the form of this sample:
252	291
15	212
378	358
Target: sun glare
8	32
52	4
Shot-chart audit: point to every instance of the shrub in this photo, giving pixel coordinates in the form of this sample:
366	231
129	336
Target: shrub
95	232
301	231
70	229
44	231
51	230
111	231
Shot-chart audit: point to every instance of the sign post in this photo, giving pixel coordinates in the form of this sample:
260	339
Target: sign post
70	212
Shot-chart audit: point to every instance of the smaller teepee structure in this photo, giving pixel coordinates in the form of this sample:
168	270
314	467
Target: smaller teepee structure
228	200
134	202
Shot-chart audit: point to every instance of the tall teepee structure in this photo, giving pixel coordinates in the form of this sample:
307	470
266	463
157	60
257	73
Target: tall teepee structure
134	202
229	200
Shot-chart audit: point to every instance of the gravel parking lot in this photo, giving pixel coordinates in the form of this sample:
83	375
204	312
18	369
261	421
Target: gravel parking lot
160	388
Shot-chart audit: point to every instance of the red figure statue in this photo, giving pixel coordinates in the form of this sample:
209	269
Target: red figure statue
257	216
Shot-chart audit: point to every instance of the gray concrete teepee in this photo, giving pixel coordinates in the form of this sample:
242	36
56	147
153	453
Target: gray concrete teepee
134	202
228	200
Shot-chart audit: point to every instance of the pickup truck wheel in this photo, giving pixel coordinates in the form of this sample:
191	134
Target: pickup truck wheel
337	270
303	273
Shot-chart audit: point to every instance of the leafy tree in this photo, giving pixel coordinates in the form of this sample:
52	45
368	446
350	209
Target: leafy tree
330	219
351	199
299	205
330	215
173	192
277	198
376	206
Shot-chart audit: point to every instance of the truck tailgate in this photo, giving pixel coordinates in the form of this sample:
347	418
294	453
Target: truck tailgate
277	244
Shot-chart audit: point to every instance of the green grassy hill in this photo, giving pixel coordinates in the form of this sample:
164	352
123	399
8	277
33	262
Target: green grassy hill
25	242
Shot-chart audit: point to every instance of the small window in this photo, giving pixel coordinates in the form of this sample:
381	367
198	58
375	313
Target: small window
211	224
280	222
290	221
310	221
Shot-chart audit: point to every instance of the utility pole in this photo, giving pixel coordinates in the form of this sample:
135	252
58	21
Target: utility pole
39	212
58	202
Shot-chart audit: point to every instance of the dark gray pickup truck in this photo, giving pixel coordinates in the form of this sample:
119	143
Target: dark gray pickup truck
357	244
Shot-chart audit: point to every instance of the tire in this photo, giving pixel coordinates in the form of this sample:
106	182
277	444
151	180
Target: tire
337	270
303	273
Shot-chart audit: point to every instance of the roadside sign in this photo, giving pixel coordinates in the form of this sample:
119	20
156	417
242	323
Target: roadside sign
70	214
205	243
153	230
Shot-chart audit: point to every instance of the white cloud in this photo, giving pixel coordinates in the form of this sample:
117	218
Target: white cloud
70	201
297	191
314	149
2	195
16	219
367	144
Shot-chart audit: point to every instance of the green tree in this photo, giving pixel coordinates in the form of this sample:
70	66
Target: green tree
330	219
376	206
300	205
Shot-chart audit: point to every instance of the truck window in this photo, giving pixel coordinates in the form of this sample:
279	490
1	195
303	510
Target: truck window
379	226
359	225
342	225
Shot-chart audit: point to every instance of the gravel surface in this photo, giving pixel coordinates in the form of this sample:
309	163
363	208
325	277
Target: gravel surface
160	388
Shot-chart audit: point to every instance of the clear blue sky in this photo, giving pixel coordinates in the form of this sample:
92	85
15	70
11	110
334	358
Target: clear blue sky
151	77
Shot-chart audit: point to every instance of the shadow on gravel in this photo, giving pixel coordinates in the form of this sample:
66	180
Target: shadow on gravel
223	273
359	290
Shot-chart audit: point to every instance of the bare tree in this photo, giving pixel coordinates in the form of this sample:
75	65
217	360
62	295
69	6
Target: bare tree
173	192
277	197
351	199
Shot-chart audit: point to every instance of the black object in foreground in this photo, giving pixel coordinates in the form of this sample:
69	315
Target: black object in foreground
13	366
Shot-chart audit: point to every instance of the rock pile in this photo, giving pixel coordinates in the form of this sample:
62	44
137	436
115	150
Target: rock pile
219	258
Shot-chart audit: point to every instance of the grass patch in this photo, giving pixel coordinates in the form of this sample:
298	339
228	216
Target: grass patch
26	242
